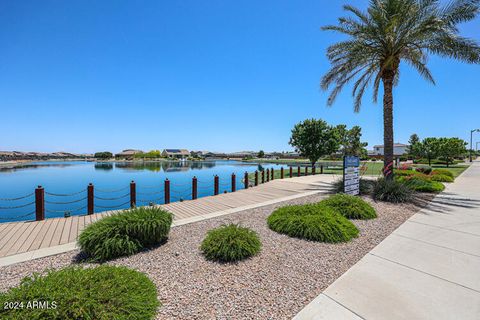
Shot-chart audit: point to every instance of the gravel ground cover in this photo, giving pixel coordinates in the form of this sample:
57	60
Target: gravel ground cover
275	284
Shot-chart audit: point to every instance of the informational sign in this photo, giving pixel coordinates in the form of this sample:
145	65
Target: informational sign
351	175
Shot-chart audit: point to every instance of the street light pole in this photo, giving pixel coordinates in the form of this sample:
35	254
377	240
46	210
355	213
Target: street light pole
471	141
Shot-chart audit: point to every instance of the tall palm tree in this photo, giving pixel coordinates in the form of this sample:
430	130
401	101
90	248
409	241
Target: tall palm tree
391	32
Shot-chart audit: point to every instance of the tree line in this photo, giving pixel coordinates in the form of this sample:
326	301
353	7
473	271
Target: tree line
447	149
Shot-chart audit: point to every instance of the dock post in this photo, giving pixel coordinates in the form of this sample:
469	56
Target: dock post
245	180
194	188
321	169
306	170
167	191
256	178
268	175
291	172
298	171
133	195
234	183
272	174
215	185
313	170
281	173
263	176
39	203
90	197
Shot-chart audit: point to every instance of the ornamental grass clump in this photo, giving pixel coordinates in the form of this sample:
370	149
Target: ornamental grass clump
103	292
125	233
392	191
230	243
444	172
350	207
315	222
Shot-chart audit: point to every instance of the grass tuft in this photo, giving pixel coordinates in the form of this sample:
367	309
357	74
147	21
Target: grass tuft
350	207
392	191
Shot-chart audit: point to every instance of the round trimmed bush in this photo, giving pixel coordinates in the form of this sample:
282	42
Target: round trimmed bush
104	292
443	172
441	178
392	191
125	233
350	207
314	222
230	243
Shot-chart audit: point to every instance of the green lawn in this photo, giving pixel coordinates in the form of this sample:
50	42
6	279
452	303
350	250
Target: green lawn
455	169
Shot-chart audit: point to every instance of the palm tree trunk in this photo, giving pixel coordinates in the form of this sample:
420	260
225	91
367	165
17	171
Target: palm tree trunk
388	124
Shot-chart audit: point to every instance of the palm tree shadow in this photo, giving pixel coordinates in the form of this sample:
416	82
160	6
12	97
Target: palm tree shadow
445	203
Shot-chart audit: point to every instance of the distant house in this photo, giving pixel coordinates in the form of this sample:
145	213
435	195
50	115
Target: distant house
127	154
399	149
175	153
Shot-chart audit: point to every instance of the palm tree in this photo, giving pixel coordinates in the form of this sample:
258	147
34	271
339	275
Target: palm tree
391	32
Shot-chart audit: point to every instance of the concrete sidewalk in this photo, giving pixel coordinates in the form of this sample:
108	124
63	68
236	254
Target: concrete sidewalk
429	268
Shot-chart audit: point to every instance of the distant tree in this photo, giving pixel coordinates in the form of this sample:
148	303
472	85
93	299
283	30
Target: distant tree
428	148
314	138
451	148
103	155
261	154
350	143
414	146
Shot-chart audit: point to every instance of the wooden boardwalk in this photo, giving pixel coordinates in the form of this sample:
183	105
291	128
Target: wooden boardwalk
27	236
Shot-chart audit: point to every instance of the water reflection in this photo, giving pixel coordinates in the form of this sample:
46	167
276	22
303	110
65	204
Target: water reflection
31	165
105	166
166	166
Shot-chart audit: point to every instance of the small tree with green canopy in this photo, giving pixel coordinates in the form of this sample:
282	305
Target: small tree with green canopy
428	148
450	148
350	143
391	32
261	154
103	155
314	138
414	146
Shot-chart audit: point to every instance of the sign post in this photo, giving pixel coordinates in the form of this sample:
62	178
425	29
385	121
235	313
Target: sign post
351	175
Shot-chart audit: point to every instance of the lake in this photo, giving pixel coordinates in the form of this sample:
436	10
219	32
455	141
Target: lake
65	184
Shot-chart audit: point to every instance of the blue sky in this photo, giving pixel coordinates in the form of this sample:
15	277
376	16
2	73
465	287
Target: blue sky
84	76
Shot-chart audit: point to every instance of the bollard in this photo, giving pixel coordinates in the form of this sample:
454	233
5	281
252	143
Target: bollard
298	171
234	183
194	188
39	203
263	176
268	175
272	174
291	172
90	197
245	180
313	170
167	191
281	173
256	178
306	170
321	169
215	185
133	195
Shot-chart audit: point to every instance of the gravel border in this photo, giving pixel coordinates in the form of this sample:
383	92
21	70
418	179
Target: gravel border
276	284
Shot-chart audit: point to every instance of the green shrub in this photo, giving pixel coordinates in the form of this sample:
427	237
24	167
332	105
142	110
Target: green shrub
424	186
350	207
392	191
441	178
125	233
424	169
230	243
104	292
402	173
314	222
444	172
366	186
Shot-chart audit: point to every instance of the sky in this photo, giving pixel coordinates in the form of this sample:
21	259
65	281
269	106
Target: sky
218	75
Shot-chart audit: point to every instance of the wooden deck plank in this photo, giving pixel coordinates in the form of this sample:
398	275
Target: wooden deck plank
14	238
18	244
49	235
66	231
81	224
73	229
39	238
11	232
32	236
57	235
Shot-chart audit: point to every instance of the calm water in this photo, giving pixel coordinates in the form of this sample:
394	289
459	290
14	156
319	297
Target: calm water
111	181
